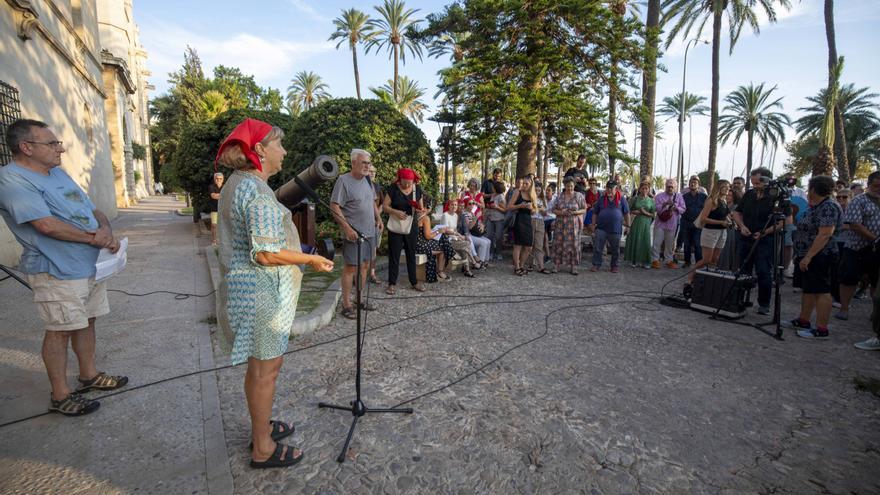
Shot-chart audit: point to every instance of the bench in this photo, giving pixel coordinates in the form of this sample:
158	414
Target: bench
422	260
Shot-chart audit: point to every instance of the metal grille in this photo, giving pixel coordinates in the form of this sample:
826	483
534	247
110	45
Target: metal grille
10	111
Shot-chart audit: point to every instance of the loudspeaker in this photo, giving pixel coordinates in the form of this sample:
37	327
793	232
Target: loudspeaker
713	289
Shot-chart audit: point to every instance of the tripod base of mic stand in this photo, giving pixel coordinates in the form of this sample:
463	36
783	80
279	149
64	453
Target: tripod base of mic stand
777	335
358	409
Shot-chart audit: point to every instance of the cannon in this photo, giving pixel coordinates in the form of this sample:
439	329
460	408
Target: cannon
294	197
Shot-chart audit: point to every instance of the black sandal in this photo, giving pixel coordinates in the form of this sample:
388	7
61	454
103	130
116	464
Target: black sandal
101	381
277	434
74	405
349	313
275	460
468	273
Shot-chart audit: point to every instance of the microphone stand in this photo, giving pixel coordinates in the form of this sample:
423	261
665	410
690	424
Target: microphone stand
356	406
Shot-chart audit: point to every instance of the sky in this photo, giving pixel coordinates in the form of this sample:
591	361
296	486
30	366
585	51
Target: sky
282	37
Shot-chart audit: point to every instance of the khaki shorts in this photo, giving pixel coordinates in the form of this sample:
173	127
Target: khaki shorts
66	305
713	238
214	218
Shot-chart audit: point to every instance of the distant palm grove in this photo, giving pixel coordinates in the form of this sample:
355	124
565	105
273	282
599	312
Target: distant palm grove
532	84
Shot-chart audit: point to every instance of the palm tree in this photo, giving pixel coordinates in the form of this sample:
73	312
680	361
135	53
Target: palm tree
750	110
353	26
860	122
649	87
408	100
839	128
449	44
685	15
671	108
306	90
394	33
213	103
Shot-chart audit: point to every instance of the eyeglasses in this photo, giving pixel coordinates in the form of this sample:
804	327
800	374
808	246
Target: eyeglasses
843	197
54	144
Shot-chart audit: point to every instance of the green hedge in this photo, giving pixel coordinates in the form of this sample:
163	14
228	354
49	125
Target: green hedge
336	126
193	162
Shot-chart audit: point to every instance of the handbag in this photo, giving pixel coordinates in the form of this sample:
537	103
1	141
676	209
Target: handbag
399	226
699	223
666	214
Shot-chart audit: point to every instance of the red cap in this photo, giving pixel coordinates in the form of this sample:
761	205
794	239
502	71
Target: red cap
247	135
407	174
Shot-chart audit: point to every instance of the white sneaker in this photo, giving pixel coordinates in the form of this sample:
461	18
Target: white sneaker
835	304
872	344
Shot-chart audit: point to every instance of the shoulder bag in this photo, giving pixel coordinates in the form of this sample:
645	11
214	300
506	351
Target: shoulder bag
399	226
666	214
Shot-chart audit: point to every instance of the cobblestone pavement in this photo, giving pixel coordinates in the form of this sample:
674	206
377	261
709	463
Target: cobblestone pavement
609	392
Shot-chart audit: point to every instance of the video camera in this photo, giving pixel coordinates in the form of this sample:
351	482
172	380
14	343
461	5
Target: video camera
779	190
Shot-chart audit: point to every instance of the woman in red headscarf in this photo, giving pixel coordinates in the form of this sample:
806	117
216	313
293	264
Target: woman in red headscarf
403	199
260	283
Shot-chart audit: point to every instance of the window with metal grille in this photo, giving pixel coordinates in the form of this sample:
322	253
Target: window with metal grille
10	111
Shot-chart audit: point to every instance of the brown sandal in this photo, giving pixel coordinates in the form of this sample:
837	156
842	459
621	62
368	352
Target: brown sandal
391	290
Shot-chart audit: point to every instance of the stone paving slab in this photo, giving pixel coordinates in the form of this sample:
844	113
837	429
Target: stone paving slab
621	395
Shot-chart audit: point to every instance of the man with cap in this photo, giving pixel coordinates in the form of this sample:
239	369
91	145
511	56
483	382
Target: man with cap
61	232
610	217
354	206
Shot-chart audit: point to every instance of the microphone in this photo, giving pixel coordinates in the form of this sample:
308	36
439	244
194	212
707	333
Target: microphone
311	193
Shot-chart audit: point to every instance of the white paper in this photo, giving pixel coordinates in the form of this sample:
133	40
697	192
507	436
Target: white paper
110	264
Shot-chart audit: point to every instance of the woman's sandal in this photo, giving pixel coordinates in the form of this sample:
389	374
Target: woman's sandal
391	290
443	277
375	280
280	431
349	313
545	271
279	458
519	272
467	273
418	287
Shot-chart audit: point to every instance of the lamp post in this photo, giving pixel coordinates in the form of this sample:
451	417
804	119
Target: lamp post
681	114
443	141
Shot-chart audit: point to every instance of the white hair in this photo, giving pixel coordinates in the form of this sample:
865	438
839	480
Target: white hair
218	174
357	151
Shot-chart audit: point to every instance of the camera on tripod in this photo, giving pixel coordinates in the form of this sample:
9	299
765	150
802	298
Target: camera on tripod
779	190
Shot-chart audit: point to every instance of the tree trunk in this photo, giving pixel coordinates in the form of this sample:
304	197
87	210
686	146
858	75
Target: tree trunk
649	88
544	169
716	74
357	75
612	116
394	89
525	151
750	143
538	149
839	130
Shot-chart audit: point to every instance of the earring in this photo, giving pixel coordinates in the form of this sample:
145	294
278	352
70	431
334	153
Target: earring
261	158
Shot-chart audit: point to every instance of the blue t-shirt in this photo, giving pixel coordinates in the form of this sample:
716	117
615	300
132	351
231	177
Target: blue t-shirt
610	214
26	196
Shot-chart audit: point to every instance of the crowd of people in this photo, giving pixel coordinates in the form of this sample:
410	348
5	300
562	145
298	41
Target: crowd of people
830	245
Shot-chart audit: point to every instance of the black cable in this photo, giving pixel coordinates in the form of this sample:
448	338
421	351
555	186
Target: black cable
180	296
542	297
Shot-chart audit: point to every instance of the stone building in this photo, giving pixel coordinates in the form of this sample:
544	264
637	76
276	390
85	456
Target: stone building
78	65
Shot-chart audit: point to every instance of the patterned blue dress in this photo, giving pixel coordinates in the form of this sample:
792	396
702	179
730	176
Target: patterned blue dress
255	304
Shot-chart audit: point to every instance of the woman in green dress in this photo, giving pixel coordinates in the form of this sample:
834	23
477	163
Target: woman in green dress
260	259
638	242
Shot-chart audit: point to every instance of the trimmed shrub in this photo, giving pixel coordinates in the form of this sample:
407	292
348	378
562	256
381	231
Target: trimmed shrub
193	162
335	127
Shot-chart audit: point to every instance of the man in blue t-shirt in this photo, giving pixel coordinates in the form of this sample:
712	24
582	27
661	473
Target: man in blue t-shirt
610	216
61	232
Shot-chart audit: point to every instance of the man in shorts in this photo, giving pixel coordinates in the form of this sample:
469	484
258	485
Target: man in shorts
860	256
354	206
61	232
214	202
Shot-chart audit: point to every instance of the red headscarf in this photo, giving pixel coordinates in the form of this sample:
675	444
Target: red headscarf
407	174
246	135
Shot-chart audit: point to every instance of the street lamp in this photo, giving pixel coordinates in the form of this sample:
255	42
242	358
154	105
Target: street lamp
681	114
444	141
